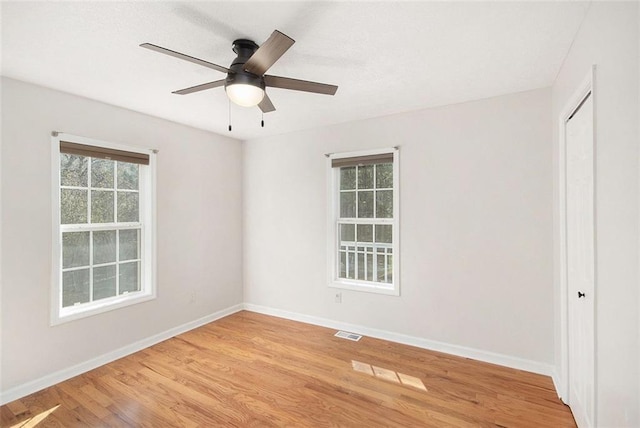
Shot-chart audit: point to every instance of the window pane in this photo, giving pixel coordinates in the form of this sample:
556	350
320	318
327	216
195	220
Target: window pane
128	174
384	203
384	233
104	247
365	233
361	266
365	204
128	206
343	264
104	282
351	267
129	244
102	173
73	170
347	232
384	175
369	267
380	266
365	177
75	287
347	204
73	206
366	197
102	206
348	178
75	249
129	277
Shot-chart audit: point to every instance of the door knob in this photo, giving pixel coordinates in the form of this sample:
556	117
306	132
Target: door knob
580	294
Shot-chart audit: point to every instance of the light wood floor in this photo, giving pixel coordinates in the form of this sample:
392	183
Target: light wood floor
251	370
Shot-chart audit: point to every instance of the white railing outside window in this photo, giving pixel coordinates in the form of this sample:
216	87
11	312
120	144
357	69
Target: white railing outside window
366	261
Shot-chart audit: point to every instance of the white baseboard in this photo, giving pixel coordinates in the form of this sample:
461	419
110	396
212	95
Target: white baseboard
558	384
461	351
64	374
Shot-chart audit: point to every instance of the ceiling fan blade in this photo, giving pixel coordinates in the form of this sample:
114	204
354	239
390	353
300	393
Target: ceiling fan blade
185	57
268	53
299	85
266	105
199	88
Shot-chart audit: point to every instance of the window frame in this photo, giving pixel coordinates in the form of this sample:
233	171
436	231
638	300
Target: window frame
146	223
333	219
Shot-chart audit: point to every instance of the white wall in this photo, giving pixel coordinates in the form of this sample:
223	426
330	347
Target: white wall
476	225
609	39
199	223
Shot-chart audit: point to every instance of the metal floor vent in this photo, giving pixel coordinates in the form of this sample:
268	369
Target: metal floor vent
348	336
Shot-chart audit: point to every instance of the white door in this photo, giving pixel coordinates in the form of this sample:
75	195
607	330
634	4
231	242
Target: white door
581	262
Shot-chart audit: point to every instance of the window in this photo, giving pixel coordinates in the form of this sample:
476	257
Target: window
103	227
363	244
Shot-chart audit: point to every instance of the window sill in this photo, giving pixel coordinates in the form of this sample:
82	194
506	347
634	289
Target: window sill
61	316
367	287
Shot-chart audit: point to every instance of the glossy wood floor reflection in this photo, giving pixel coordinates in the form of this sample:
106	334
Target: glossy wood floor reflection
251	370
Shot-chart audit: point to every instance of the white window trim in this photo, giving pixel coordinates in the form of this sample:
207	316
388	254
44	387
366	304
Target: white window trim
392	289
59	315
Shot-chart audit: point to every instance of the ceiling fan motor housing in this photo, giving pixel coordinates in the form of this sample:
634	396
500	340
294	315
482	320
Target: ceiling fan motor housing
237	75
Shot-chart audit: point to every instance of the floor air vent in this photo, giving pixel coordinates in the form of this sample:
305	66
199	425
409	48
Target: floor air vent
348	336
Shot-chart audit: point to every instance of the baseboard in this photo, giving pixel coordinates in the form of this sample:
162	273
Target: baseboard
557	383
64	374
461	351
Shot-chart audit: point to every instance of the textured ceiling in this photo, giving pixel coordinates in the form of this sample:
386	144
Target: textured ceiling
386	57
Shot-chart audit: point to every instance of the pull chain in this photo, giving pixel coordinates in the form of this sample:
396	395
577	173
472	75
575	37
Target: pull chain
262	121
229	114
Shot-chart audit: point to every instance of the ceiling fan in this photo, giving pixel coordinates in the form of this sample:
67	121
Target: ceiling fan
246	79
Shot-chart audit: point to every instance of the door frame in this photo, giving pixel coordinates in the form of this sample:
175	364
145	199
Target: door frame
586	87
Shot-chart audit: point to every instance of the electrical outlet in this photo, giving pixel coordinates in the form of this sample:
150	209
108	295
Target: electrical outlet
339	297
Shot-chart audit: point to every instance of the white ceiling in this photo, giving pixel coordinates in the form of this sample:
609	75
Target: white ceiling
386	57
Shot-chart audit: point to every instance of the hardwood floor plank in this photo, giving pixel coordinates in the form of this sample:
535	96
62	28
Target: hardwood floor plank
249	369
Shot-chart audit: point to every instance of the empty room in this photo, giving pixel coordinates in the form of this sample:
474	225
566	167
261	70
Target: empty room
310	214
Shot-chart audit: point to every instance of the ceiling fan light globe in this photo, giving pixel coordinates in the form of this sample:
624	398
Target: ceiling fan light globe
245	95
